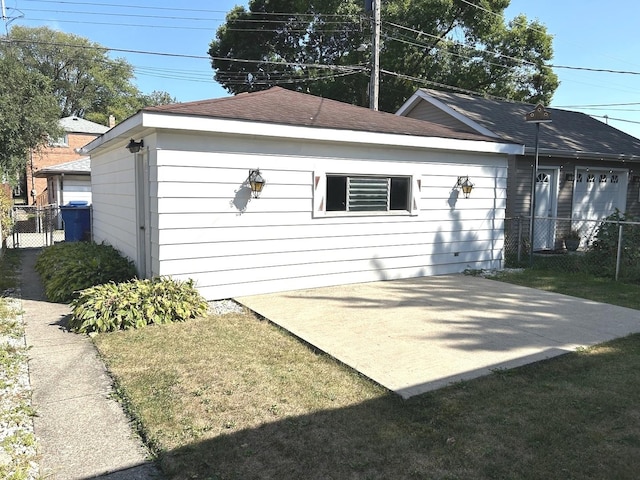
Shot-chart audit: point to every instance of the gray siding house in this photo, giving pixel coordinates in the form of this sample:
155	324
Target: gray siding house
587	169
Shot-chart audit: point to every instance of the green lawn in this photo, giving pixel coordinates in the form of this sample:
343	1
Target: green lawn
233	397
580	285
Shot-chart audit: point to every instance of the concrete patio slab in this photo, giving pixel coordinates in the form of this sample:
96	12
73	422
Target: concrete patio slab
420	334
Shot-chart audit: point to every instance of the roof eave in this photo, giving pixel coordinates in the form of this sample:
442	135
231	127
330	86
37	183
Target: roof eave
123	129
550	152
163	121
53	173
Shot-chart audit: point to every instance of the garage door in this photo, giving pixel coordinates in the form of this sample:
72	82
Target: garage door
598	193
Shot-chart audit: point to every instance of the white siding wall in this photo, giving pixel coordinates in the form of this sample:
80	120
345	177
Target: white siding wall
113	195
208	229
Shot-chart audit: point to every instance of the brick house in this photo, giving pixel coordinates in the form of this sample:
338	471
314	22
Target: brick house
77	133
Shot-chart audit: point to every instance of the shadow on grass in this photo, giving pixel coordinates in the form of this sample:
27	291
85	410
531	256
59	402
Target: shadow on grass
575	416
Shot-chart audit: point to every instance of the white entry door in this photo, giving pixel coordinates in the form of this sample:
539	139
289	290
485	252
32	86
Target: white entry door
546	208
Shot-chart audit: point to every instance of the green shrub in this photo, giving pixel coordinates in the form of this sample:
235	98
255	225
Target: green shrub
66	268
602	254
135	304
560	262
6	222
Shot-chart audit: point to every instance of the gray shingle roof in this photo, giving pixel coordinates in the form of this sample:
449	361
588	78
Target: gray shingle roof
569	131
81	166
281	106
80	125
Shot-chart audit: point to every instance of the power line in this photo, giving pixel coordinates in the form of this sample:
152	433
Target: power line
508	57
438	84
121	15
201	57
604	108
112	24
600	105
285	80
299	30
124	5
557	66
607	117
268	18
174	17
529	27
444	39
603	70
173	9
179	27
455	54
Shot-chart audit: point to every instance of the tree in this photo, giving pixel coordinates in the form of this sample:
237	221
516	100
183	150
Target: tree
85	81
28	111
434	43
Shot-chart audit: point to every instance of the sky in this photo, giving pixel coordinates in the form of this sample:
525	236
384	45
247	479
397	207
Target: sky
588	35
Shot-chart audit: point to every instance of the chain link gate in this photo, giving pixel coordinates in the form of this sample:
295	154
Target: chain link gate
35	226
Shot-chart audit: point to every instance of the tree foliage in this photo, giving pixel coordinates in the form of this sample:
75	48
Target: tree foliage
433	43
28	112
85	81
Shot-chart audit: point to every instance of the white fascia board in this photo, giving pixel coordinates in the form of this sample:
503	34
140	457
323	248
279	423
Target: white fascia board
241	127
115	132
411	102
422	95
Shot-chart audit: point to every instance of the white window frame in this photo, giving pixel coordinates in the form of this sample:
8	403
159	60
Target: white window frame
62	141
320	194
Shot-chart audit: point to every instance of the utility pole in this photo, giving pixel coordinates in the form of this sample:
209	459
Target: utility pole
4	17
375	67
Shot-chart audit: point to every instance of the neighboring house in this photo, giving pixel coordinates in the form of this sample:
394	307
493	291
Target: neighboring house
587	169
77	133
351	195
67	182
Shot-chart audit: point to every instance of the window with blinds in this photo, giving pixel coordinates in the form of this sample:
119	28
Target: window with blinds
367	194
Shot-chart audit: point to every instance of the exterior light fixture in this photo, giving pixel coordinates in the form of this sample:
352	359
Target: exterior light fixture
134	147
465	185
256	182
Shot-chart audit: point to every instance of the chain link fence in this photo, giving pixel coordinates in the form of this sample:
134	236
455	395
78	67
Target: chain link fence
35	226
608	248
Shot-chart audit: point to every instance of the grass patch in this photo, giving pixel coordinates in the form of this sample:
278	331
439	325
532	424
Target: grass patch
17	441
580	285
232	397
9	265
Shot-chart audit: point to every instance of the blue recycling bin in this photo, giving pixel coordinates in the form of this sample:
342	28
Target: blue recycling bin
76	216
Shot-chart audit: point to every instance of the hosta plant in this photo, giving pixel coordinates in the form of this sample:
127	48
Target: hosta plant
135	304
66	268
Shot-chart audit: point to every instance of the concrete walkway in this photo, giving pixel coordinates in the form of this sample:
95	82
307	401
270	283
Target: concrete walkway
81	431
420	334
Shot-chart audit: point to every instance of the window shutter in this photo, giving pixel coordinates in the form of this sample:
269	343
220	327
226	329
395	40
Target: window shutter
319	189
368	194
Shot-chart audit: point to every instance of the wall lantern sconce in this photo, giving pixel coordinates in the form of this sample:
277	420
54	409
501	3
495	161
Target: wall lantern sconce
256	182
465	185
134	147
568	177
